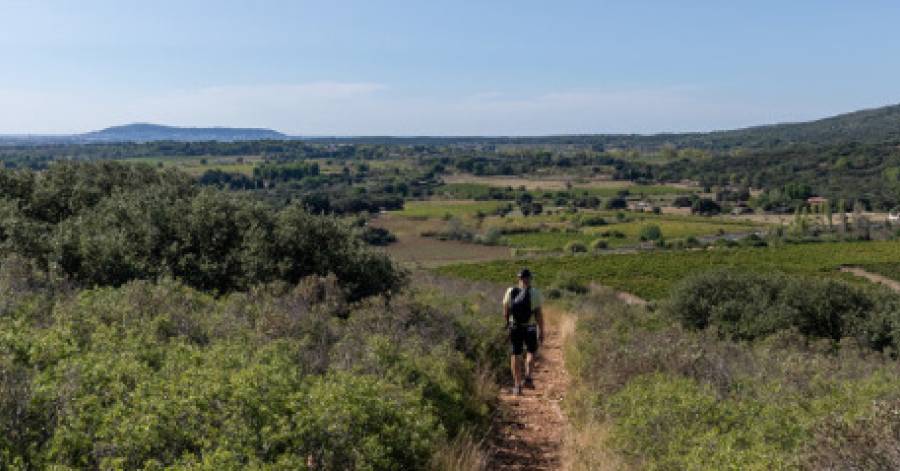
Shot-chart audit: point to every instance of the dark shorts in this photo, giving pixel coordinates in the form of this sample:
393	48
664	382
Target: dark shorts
523	336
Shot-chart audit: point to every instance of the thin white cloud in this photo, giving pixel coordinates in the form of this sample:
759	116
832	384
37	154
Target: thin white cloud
364	108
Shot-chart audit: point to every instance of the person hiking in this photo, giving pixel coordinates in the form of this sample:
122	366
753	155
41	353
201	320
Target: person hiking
520	304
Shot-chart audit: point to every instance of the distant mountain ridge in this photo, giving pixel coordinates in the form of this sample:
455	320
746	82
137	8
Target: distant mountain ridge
144	132
870	125
876	125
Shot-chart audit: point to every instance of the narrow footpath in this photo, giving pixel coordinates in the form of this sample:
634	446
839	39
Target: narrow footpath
529	430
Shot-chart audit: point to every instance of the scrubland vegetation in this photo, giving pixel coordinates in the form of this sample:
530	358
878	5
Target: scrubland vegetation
148	324
212	305
752	372
157	374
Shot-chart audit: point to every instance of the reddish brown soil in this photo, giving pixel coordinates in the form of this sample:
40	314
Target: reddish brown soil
529	429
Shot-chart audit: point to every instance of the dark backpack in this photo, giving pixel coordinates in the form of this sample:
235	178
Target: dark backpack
520	305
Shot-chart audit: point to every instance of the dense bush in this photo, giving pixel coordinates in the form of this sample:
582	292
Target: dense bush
154	375
378	236
591	221
575	247
746	306
107	223
598	245
650	232
616	203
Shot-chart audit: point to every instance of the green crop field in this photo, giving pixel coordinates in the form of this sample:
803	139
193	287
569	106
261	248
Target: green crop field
550	240
481	190
437	209
650	275
633	190
195	165
672	228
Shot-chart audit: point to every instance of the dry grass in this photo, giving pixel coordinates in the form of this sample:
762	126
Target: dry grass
586	441
463	453
586	449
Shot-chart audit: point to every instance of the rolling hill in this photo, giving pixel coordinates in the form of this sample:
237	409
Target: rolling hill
143	132
877	125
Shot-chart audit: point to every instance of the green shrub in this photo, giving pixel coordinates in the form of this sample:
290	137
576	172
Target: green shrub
565	282
674	423
618	202
750	305
650	232
598	245
214	241
491	237
592	221
683	399
158	374
377	236
614	234
359	422
575	247
107	223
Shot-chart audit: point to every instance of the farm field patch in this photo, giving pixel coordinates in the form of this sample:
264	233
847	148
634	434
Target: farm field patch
439	209
483	191
413	249
195	165
629	233
651	274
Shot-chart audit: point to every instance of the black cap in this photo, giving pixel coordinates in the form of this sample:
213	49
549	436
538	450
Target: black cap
524	273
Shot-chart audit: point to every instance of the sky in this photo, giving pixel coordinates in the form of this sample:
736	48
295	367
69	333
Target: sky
434	67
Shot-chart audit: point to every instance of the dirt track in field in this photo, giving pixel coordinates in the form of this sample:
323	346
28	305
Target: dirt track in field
873	277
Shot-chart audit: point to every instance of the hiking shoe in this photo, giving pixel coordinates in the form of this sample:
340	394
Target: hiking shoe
517	390
529	383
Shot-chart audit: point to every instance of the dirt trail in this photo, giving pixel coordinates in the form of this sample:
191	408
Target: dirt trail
529	430
873	277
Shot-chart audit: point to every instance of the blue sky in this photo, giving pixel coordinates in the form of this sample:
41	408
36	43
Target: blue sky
443	67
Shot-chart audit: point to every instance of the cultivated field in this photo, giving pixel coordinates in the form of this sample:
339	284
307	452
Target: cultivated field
650	275
414	250
483	191
627	234
198	165
443	208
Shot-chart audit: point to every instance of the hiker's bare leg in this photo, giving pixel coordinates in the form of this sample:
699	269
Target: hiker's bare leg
529	364
516	365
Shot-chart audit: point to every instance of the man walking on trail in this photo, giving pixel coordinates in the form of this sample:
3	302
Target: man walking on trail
520	304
